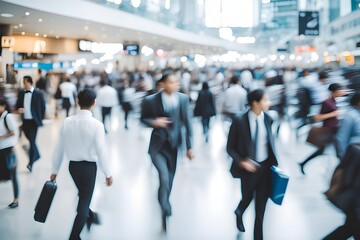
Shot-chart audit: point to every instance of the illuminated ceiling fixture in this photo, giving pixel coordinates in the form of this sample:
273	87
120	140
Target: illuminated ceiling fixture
23	33
86	28
36	34
57	37
45	35
6	15
266	1
167	4
27	13
226	33
136	3
118	2
20	25
16	27
40	20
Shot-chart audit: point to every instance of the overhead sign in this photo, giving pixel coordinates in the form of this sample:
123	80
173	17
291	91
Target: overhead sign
97	47
309	23
7	41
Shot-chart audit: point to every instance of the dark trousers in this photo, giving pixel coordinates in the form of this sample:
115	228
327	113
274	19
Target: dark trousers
84	175
105	111
318	152
30	130
349	229
165	162
206	124
126	106
256	184
66	105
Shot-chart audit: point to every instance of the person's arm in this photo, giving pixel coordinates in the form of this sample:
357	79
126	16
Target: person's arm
147	116
323	116
42	105
188	129
102	153
58	155
343	135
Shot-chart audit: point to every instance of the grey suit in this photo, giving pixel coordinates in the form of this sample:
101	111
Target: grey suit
164	142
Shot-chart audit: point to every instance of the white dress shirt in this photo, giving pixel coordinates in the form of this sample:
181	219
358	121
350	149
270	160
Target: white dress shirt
235	99
13	126
107	97
82	138
262	142
68	90
27	104
169	101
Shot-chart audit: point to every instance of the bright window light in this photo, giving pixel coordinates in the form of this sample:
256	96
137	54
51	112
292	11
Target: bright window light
136	3
167	4
147	51
229	13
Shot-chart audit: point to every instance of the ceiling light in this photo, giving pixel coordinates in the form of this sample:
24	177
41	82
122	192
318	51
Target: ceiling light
57	37
86	28
36	34
6	15
16	26
23	33
20	25
246	40
27	13
136	3
45	35
118	2
40	20
266	1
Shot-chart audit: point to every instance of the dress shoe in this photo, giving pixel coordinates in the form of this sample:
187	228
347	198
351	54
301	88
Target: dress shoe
93	218
302	168
163	222
239	222
13	205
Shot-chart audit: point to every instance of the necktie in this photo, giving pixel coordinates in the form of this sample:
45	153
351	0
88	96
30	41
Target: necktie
256	138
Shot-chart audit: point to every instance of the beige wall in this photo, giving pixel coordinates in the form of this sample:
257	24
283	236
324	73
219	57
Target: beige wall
28	44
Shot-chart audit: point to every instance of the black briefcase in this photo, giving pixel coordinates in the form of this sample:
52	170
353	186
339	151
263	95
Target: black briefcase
45	200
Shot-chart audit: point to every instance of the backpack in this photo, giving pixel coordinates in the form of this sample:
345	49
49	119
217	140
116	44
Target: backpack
5	123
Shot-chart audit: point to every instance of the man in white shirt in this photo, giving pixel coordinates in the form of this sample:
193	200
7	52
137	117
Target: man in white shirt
107	98
234	99
68	93
82	140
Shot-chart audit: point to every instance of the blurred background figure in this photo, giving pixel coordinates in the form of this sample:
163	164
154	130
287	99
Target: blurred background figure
205	108
234	99
9	135
126	96
107	98
68	94
329	116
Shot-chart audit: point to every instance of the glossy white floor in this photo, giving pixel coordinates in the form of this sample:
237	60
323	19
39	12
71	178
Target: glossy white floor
203	198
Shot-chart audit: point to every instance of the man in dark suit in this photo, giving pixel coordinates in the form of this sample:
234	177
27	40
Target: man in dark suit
251	146
31	104
167	112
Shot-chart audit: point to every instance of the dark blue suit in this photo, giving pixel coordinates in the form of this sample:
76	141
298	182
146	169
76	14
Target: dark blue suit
30	126
240	147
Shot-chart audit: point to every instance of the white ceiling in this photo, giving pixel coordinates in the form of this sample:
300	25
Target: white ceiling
66	27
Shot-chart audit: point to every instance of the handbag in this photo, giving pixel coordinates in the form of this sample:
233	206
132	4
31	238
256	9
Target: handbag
320	136
337	194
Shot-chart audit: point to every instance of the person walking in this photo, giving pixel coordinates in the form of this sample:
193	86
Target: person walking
167	112
31	104
328	114
251	146
9	135
82	141
205	108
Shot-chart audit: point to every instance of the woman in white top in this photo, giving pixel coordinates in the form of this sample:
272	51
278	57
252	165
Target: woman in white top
8	139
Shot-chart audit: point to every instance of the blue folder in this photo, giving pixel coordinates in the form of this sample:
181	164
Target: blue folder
279	185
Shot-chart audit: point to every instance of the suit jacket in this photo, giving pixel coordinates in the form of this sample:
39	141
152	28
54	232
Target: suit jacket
37	105
205	104
240	146
152	108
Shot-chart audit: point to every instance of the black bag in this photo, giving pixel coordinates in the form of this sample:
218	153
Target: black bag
45	200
